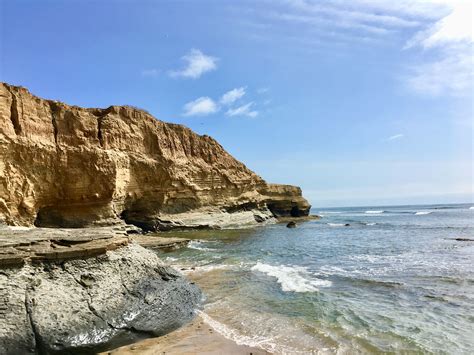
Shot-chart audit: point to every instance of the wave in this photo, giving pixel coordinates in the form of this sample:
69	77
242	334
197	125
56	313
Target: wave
240	339
330	212
419	213
373	282
374	212
19	228
197	244
336	224
471	208
292	278
370	224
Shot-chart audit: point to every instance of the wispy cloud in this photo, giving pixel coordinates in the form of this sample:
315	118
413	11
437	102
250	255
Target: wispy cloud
396	136
200	107
153	73
450	39
198	63
244	110
263	90
450	75
233	95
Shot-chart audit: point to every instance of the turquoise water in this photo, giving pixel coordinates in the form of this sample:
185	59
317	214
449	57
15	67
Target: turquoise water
393	281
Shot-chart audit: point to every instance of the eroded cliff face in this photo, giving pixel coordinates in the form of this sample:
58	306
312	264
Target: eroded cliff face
64	165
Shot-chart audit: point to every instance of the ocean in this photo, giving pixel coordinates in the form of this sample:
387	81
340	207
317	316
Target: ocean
394	280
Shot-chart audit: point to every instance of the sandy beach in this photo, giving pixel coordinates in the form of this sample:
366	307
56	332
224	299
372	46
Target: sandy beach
197	337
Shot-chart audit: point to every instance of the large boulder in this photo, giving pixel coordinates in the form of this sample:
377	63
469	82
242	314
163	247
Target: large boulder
91	304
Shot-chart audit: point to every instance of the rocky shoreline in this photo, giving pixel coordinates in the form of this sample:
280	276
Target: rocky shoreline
110	174
86	290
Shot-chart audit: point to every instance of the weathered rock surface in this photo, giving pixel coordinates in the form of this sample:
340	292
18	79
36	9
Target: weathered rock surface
19	245
85	304
68	166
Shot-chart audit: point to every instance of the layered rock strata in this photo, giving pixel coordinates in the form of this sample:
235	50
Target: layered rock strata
68	166
70	292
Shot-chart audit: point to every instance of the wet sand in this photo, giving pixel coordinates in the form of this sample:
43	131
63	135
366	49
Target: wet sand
195	338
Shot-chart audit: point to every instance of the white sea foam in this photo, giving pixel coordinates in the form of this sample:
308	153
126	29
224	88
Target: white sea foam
374	212
336	224
371	224
19	228
422	213
292	278
265	343
471	208
199	245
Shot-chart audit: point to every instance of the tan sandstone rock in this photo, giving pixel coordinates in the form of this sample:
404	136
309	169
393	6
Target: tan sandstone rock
69	166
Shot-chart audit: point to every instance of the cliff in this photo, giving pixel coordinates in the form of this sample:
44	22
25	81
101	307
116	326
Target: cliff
69	166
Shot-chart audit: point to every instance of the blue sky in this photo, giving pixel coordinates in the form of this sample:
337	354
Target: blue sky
359	103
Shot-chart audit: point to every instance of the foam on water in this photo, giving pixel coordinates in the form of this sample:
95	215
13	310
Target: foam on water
292	278
374	212
199	245
422	213
234	335
19	228
335	224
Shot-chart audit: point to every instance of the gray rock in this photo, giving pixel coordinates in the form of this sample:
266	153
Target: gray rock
92	304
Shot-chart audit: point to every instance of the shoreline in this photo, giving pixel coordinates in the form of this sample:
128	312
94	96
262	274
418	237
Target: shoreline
196	337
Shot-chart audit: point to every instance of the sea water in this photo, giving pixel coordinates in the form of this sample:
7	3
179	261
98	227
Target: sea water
395	280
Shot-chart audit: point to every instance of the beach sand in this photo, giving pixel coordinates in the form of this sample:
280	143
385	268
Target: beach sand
195	338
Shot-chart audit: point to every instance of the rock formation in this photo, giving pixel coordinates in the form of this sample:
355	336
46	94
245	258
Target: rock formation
68	166
103	294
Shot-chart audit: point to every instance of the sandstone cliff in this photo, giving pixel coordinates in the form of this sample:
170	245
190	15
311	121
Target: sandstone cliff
68	166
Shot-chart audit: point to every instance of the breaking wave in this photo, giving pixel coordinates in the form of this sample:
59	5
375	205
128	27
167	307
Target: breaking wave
374	212
336	224
238	338
292	278
422	213
199	245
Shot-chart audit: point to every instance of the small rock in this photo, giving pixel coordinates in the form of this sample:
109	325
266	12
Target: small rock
291	224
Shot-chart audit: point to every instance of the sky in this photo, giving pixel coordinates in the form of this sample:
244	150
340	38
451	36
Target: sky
360	103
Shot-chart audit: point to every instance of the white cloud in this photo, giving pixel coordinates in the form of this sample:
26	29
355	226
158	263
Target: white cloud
244	110
200	107
233	95
151	72
197	64
454	27
354	15
451	40
451	75
263	90
396	136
